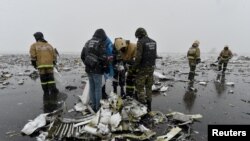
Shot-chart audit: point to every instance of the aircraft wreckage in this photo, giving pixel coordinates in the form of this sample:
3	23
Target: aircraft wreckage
116	119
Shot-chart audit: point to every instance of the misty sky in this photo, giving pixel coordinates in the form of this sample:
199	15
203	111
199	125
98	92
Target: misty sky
173	24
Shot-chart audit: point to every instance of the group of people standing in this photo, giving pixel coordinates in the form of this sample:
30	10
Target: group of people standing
101	57
193	56
130	65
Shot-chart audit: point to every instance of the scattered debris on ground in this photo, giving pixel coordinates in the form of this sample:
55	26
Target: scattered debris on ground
116	119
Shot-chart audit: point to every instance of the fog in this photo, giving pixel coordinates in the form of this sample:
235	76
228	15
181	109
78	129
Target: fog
173	24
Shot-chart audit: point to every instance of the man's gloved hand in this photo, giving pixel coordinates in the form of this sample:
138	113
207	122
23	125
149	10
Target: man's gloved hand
198	61
218	58
33	62
110	58
120	68
54	63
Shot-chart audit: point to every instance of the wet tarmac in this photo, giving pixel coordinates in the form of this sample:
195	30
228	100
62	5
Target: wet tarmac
217	101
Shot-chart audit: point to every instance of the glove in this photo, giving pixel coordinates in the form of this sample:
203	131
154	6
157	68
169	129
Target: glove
120	68
33	62
54	63
218	58
198	61
110	58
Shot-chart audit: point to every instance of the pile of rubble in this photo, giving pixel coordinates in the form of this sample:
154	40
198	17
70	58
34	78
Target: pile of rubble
116	119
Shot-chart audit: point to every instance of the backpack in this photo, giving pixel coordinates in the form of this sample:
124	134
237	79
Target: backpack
92	59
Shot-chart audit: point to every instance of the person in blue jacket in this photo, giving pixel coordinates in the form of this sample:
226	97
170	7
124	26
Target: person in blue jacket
109	71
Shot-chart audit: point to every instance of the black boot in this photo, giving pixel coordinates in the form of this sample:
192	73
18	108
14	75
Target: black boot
122	92
219	67
53	89
191	76
45	89
115	89
149	105
224	69
104	94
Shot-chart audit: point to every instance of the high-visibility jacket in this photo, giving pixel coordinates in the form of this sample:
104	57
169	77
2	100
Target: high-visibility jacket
43	53
226	54
193	53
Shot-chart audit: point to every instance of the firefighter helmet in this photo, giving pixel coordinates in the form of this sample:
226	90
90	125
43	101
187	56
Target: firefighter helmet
140	32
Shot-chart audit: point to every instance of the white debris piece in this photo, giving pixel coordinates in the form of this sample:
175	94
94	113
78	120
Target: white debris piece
105	116
196	116
103	129
115	120
134	108
20	74
173	132
155	87
159	75
42	136
203	83
230	83
58	77
66	69
6	83
90	129
143	128
31	126
165	94
80	107
20	82
7	75
95	120
85	94
163	89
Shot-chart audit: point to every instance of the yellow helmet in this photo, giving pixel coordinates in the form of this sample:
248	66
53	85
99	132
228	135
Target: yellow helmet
120	43
196	42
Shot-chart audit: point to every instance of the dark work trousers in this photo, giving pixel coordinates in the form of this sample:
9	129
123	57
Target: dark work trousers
224	64
130	82
192	66
47	80
119	77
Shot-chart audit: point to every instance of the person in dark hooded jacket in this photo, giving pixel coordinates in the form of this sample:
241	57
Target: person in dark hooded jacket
95	60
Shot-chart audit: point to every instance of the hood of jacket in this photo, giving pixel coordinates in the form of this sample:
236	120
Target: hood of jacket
100	33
